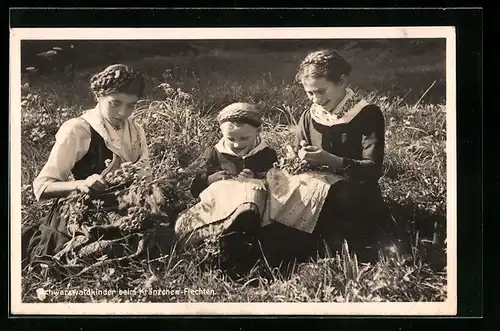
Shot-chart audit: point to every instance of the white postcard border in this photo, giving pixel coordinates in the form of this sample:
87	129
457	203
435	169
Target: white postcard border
448	307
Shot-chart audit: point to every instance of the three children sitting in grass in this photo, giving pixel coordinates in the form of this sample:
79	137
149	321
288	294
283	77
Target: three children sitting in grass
244	199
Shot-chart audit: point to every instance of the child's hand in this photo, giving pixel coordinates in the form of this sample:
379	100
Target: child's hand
246	173
302	150
313	155
93	183
290	152
306	151
220	175
318	157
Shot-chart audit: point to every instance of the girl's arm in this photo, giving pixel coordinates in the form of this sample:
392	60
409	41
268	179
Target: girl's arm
61	189
72	143
369	167
210	166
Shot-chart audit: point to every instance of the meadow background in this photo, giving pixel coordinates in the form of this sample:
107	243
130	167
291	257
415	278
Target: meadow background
187	84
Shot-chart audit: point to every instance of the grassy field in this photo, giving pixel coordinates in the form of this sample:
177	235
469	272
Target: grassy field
180	125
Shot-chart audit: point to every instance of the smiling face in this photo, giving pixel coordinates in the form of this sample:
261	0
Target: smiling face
324	92
240	138
117	107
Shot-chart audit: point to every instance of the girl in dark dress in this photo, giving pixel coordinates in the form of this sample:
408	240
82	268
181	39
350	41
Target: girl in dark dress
231	186
344	134
82	146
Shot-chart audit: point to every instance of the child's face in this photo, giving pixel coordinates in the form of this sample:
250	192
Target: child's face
324	92
117	107
240	138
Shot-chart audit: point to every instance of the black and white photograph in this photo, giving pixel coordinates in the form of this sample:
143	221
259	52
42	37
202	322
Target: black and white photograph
222	171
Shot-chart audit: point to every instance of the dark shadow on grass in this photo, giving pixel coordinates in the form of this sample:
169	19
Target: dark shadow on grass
419	232
409	232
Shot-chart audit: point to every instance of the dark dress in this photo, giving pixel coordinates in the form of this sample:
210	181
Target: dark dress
41	242
214	161
238	244
354	209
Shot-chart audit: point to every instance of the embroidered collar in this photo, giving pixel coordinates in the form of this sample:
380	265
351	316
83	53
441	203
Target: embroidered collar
222	148
338	110
124	141
345	111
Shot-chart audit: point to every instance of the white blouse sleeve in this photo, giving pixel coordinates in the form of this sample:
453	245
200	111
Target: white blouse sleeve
72	143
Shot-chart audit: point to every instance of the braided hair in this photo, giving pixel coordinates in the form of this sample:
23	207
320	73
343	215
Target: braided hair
117	78
240	112
323	63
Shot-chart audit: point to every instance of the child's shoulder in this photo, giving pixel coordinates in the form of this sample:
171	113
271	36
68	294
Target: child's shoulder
306	113
305	117
76	127
75	123
210	152
267	150
370	111
371	107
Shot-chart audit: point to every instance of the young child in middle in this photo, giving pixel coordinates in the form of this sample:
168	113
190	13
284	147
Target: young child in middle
231	184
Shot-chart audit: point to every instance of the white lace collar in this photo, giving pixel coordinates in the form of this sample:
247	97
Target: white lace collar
124	141
222	148
324	117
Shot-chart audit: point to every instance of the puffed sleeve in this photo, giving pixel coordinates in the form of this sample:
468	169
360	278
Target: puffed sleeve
372	126
72	143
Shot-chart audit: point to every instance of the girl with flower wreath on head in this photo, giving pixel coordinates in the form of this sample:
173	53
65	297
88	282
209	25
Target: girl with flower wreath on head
341	140
83	147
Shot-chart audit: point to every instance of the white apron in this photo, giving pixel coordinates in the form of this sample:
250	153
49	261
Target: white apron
212	215
297	200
